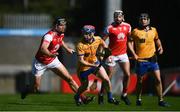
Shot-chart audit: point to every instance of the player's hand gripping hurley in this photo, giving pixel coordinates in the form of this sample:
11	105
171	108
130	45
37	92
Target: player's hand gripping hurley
102	55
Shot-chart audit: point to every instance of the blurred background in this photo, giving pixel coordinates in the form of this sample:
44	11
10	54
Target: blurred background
24	22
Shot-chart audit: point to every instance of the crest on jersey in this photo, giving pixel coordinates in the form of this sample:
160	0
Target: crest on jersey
56	47
121	36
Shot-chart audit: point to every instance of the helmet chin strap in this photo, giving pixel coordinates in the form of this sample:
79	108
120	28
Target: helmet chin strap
118	22
59	32
145	26
91	40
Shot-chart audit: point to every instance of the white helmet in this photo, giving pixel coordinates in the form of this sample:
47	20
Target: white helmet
117	13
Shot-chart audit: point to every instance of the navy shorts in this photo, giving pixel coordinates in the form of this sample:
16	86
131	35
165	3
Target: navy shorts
144	67
84	74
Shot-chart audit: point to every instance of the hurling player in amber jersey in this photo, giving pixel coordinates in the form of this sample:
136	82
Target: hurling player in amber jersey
142	44
88	62
46	57
118	32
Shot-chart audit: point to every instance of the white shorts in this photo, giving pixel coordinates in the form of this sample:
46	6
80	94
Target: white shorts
38	68
111	60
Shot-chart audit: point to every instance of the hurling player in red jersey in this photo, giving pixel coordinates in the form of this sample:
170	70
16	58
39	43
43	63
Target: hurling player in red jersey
46	56
118	32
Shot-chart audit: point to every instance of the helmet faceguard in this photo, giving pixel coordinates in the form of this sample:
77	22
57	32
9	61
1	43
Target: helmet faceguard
88	29
59	25
88	32
144	16
117	14
60	21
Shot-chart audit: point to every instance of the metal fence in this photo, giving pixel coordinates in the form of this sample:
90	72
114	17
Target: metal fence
23	21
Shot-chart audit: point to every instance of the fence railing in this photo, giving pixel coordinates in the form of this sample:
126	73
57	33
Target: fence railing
23	21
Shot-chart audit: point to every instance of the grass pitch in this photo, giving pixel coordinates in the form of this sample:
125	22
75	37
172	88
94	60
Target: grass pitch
65	102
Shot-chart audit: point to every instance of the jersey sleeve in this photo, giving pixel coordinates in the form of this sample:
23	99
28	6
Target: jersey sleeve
48	38
101	41
131	37
129	29
106	31
156	34
79	49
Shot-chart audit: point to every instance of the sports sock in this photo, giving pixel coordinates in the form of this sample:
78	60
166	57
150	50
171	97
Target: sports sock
77	96
109	95
82	96
124	92
102	89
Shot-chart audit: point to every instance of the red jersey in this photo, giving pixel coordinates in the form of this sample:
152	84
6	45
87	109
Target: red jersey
55	41
118	35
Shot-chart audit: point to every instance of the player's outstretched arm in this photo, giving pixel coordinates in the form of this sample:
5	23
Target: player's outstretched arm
70	50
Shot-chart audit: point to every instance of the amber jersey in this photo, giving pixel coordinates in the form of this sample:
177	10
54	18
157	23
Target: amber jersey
88	50
144	41
118	35
55	41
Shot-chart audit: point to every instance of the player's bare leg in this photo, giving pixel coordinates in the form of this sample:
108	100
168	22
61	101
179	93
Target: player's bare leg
81	89
37	83
36	87
107	84
110	72
64	74
125	66
158	85
139	90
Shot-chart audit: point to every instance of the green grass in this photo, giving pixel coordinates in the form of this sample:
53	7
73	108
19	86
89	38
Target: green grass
65	102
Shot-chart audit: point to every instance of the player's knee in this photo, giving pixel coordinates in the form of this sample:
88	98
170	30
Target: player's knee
106	80
86	86
70	80
127	76
139	81
158	82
